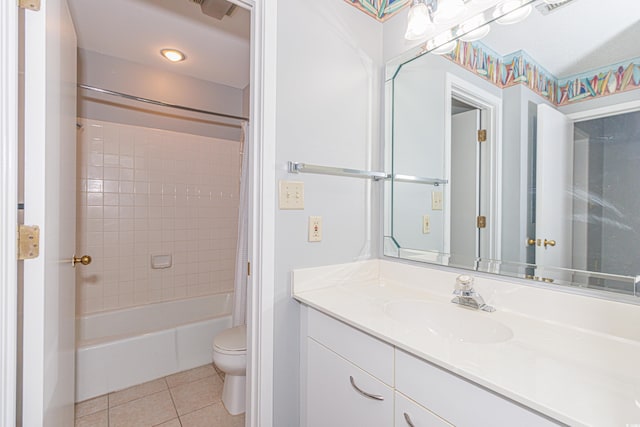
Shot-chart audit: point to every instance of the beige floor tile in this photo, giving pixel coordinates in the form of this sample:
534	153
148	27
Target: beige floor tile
136	392
147	411
190	375
212	416
198	394
173	423
97	419
91	406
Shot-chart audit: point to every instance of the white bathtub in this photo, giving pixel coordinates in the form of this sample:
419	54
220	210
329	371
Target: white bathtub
118	349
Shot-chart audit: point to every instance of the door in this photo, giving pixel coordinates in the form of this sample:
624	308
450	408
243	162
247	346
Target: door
465	173
50	202
554	190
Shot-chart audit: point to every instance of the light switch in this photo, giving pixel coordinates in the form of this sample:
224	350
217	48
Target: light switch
291	195
436	200
315	228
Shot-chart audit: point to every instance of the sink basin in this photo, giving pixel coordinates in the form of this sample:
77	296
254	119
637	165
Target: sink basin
448	321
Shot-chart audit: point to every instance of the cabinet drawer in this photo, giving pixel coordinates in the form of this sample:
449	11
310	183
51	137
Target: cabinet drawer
332	397
410	414
459	401
363	350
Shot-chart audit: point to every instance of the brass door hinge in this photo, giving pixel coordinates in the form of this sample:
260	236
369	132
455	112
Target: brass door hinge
28	241
248	269
29	4
481	221
482	135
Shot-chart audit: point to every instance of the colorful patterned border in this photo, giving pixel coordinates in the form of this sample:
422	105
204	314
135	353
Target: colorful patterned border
379	9
520	68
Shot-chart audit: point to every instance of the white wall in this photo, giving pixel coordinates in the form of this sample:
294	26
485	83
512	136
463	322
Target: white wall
107	72
328	97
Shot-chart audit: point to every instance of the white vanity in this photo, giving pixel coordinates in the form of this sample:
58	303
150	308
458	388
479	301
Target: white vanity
381	345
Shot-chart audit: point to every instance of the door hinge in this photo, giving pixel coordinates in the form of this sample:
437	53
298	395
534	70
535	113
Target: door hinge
29	4
482	135
248	269
28	241
481	221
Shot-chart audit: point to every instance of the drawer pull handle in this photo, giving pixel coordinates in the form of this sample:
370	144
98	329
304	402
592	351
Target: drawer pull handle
364	393
407	418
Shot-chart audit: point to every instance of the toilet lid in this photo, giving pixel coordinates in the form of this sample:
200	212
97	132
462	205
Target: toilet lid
234	339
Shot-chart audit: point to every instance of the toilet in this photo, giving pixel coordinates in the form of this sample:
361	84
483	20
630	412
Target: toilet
230	356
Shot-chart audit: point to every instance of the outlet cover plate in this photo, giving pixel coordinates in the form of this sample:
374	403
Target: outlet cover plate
315	228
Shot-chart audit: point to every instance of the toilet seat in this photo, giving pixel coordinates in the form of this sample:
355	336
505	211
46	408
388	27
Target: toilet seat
231	341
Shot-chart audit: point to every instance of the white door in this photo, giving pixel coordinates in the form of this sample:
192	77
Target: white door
50	202
464	188
554	190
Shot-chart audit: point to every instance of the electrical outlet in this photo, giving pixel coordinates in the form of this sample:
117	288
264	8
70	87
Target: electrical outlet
315	228
291	195
436	200
426	224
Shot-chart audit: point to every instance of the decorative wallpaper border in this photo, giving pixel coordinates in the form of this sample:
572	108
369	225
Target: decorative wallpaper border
379	9
520	68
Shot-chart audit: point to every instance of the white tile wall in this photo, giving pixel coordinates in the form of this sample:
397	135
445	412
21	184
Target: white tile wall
145	191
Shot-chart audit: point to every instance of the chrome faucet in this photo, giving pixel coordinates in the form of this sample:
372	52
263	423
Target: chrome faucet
467	296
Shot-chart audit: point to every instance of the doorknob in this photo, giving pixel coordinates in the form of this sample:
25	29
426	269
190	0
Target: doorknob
549	243
531	242
84	260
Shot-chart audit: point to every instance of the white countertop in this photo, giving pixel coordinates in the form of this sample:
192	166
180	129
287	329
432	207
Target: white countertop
571	357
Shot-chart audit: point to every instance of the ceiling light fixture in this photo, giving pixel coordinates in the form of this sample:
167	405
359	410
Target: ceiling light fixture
173	55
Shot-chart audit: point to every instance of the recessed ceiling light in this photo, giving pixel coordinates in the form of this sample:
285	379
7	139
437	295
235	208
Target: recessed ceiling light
173	55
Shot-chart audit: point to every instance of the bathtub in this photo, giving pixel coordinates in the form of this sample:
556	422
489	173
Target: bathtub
118	349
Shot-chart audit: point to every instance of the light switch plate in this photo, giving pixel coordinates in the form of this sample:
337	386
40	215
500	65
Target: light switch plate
315	228
291	195
436	200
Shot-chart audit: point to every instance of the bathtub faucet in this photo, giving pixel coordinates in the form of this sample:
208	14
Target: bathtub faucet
466	296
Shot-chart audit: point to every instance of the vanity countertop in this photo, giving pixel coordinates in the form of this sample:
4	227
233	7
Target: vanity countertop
571	357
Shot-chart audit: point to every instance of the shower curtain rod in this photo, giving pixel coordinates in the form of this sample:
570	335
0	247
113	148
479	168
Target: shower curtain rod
160	103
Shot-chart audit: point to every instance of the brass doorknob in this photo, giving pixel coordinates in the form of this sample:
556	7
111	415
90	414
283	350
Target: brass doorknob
549	243
84	260
531	242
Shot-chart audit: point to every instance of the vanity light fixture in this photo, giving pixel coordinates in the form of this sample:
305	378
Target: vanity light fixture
445	48
448	10
512	12
473	29
419	20
173	55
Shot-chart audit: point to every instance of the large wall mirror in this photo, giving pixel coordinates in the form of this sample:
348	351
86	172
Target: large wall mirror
519	153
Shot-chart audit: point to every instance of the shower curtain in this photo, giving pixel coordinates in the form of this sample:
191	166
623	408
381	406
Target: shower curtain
239	313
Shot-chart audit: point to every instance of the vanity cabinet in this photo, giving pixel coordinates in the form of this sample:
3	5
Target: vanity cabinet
349	378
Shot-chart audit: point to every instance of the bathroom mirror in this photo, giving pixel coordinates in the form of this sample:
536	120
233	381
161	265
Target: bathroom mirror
518	154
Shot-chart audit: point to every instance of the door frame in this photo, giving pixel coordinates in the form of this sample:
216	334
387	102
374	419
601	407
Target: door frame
8	209
260	283
491	118
261	222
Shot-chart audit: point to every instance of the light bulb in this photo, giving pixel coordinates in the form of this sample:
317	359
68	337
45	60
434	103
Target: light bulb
448	10
173	55
511	12
419	21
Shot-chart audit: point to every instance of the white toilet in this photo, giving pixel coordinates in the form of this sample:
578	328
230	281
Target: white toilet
230	356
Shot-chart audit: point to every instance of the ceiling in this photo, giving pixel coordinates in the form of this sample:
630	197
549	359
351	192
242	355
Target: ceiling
581	36
136	30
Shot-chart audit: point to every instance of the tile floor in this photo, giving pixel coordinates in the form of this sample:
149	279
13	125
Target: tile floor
186	399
